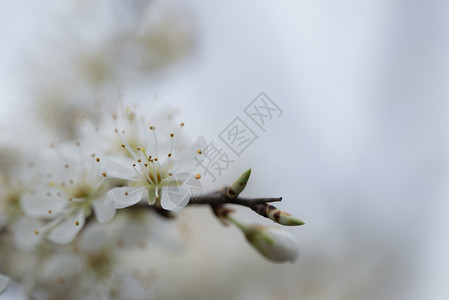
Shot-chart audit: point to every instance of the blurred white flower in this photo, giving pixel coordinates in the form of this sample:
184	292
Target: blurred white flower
79	191
10	204
4	282
104	276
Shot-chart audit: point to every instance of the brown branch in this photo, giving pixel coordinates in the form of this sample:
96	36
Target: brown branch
220	199
216	199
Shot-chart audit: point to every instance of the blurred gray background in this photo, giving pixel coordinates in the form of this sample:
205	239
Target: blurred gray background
360	152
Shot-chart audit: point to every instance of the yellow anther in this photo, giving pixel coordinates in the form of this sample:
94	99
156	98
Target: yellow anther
77	223
172	135
197	176
98	159
182	124
199	152
36	232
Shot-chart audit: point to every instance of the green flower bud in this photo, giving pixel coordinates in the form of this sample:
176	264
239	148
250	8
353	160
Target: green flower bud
275	244
277	215
239	185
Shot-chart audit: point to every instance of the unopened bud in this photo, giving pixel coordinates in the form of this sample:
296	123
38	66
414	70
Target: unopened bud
239	185
277	215
275	244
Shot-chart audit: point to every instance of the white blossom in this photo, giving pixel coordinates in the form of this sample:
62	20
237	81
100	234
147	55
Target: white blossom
157	179
70	194
4	282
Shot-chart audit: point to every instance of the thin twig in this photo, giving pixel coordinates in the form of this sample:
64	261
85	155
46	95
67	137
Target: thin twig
220	199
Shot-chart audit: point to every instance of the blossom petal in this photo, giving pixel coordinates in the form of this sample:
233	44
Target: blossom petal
60	265
122	197
4	282
175	198
115	169
186	163
24	237
38	204
104	211
93	239
66	231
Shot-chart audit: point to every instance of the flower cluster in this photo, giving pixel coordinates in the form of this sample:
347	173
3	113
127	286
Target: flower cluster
71	212
47	200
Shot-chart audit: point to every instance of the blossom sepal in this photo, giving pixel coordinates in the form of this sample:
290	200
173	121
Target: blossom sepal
239	185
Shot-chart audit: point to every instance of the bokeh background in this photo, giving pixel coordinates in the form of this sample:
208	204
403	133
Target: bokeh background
360	152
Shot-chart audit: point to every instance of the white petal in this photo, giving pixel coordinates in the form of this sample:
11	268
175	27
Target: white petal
117	169
122	197
93	239
24	237
104	211
130	286
4	282
66	231
186	163
59	265
175	197
38	204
